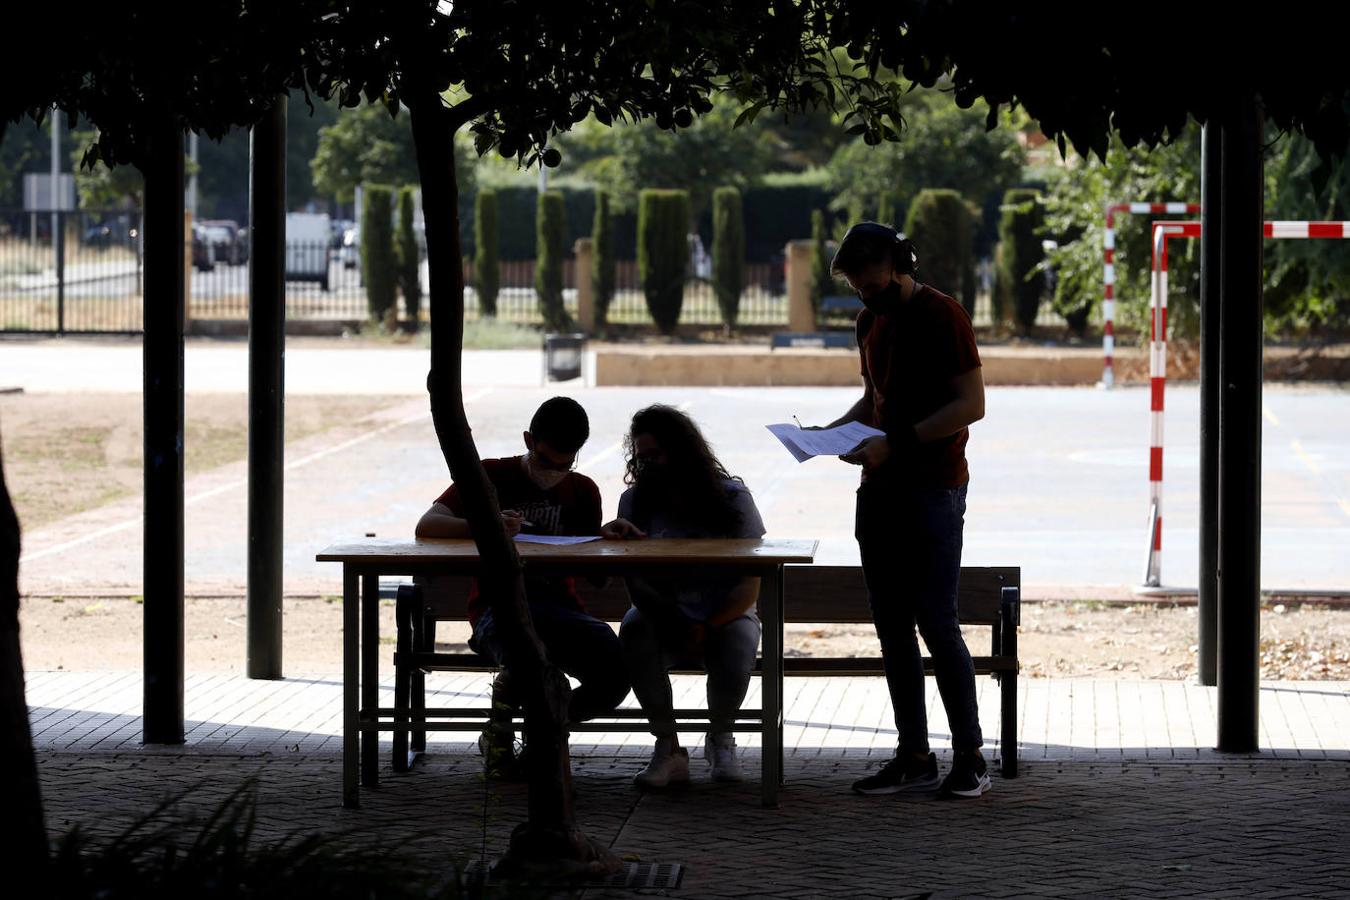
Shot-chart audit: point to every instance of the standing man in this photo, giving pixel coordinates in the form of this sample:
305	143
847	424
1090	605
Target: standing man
922	386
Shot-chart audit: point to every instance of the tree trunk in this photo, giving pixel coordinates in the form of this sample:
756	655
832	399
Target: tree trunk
551	836
20	794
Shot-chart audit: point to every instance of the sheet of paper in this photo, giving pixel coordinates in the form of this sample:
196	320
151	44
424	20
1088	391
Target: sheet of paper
826	442
558	540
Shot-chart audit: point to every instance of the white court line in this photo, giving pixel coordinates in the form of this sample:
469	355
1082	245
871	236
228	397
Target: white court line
242	482
1270	416
1312	466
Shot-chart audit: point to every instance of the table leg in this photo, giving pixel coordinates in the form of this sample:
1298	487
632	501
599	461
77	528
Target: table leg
771	608
370	677
782	689
351	677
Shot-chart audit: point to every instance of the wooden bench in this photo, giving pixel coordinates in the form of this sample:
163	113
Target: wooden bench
840	303
832	340
812	594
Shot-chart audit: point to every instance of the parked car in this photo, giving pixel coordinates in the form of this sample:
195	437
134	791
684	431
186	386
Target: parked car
223	235
337	230
203	253
116	231
700	263
308	247
350	251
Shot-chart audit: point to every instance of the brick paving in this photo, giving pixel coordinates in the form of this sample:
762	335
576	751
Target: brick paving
1119	794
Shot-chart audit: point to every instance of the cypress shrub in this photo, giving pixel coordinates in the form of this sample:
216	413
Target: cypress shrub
728	253
379	268
1020	280
550	234
602	259
822	282
943	230
886	208
663	253
486	274
409	260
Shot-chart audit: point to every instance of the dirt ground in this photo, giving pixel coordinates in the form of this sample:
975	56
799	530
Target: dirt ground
65	453
1056	639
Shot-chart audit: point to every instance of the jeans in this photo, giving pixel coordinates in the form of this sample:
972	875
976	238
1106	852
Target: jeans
728	657
579	644
910	540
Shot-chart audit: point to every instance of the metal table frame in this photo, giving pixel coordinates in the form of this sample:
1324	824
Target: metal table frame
362	717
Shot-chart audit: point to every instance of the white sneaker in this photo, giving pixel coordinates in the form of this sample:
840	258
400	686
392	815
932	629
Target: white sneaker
669	765
720	752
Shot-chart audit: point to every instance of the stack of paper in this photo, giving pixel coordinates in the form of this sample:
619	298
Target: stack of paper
804	444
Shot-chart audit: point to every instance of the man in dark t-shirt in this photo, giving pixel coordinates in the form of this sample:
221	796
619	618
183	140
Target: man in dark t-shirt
922	386
539	493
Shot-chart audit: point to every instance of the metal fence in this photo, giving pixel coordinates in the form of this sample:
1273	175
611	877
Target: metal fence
89	279
83	275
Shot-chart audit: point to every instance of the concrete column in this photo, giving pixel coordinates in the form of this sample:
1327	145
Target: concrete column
584	253
801	316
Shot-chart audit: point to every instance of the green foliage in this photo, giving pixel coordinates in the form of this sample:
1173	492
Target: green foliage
1075	209
603	264
551	232
663	253
1020	279
728	253
942	228
98	186
886	208
1307	282
942	147
366	145
822	282
159	855
409	259
486	272
378	262
710	153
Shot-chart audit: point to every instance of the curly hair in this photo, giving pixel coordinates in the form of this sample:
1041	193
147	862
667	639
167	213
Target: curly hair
702	500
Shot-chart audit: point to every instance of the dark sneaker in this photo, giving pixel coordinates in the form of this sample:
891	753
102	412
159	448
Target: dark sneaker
498	748
903	775
968	777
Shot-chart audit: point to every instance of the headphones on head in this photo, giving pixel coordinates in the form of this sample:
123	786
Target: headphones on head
906	261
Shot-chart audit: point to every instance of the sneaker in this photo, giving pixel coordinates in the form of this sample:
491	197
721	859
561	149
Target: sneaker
968	777
720	752
902	775
669	765
498	748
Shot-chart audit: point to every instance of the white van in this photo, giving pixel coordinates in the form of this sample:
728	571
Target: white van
308	247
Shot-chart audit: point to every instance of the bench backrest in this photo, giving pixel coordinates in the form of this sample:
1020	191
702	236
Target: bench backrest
815	594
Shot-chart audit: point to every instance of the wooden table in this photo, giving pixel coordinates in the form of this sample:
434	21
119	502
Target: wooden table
365	561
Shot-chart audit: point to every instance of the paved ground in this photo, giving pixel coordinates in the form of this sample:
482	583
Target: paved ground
1060	719
1060	475
1162	817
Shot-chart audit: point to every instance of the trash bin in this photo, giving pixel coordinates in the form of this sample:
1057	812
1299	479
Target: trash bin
562	356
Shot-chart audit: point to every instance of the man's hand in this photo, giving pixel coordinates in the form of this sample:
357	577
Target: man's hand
621	530
512	520
870	454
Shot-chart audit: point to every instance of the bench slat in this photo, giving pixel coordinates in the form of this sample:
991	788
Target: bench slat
792	665
813	594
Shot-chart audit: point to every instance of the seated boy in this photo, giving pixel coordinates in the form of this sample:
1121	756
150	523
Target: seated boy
539	493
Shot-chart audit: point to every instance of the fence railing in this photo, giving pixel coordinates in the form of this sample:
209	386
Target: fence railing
90	279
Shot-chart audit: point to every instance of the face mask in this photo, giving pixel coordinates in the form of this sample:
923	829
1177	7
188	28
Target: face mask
544	479
884	300
653	475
